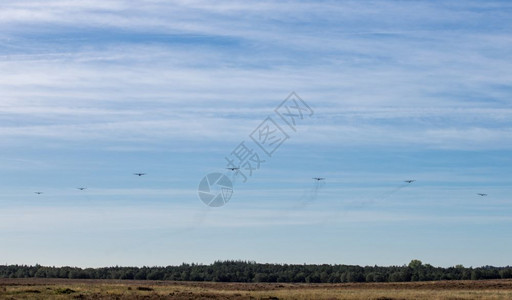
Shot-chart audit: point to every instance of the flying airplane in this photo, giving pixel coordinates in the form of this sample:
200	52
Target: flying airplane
139	174
410	181
39	193
480	194
318	178
81	188
233	169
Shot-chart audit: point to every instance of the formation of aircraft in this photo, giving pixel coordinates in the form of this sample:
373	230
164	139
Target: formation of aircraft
236	169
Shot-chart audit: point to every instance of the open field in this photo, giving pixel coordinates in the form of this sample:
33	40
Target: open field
114	289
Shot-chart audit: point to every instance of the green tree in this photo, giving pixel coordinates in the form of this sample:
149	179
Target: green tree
476	274
415	264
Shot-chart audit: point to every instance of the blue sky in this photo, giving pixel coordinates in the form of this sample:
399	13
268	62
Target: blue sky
93	91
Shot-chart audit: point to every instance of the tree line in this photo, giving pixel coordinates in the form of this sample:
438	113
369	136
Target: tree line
247	271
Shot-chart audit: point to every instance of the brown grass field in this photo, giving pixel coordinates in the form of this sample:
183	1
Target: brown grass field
131	289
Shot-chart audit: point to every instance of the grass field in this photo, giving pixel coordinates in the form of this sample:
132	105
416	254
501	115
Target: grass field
113	289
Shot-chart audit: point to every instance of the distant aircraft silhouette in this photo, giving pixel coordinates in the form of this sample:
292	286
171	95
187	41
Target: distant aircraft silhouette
233	169
139	174
39	193
81	188
318	178
483	195
410	181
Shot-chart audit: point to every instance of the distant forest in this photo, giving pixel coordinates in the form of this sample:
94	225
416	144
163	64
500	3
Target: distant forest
243	271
